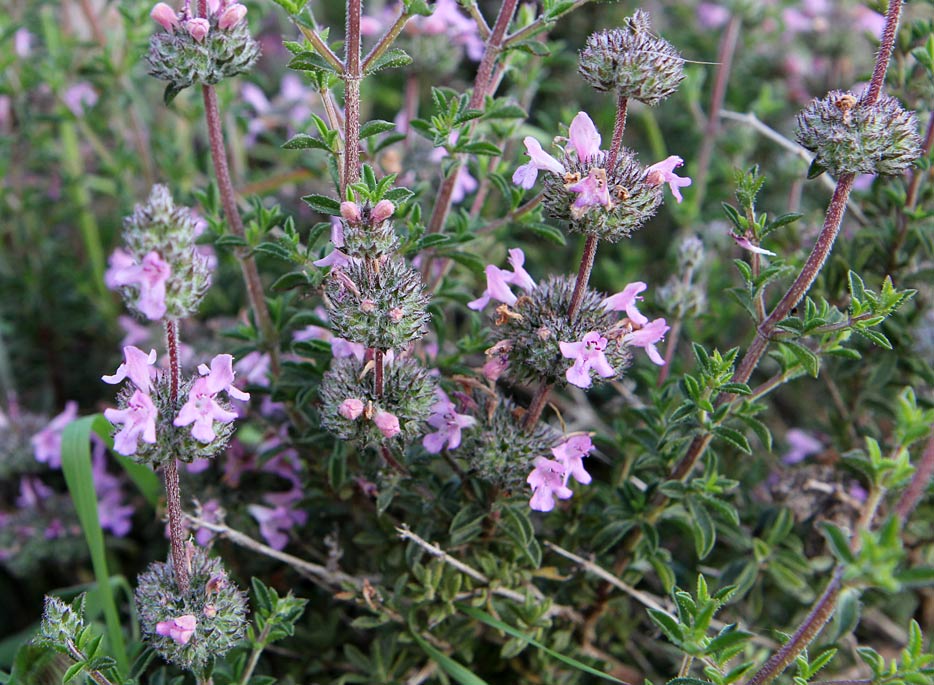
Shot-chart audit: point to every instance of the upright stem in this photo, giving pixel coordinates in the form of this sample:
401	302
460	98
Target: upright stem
353	74
886	48
536	406
254	285
725	61
481	89
173	494
583	276
622	105
378	363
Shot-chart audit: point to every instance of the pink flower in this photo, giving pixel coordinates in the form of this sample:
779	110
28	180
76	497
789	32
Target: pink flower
47	443
149	277
587	354
136	367
197	28
203	410
179	629
746	244
801	445
626	301
449	423
591	191
165	16
231	16
138	420
712	16
464	184
497	360
646	337
254	368
539	160
548	480
571	453
334	259
350	211
220	377
78	96
584	137
22	42
387	423
499	280
351	408
212	512
663	172
276	521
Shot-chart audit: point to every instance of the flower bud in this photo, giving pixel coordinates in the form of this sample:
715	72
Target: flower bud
197	28
387	423
165	16
632	61
351	408
231	16
350	211
848	136
382	211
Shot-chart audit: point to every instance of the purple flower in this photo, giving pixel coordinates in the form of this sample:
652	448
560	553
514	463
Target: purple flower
135	333
584	137
571	453
626	301
387	423
138	421
539	160
801	445
212	512
179	629
646	338
78	96
231	15
198	28
47	443
149	277
32	492
712	16
334	259
22	42
220	377
499	280
746	244
136	367
591	191
203	410
254	368
587	354
548	480
276	521
114	515
449	424
664	172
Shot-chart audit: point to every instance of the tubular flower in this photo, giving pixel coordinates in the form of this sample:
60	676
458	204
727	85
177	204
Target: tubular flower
548	480
646	338
587	354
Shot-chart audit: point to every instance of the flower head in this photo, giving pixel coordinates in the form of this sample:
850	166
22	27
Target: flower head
663	172
587	354
138	421
47	443
646	338
136	367
548	480
203	410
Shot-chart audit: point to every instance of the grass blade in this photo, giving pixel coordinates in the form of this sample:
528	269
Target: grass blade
455	670
76	466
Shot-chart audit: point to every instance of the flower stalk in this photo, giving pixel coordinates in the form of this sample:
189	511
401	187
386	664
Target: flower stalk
173	495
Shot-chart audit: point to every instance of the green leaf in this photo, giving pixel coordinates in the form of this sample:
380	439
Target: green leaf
323	204
76	467
705	534
73	671
668	624
547	232
458	672
839	542
815	170
390	60
375	127
169	94
303	141
734	437
727	639
482	147
484	617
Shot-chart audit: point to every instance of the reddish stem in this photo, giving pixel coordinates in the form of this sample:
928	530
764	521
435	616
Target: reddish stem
536	406
173	495
918	485
583	276
353	74
378	364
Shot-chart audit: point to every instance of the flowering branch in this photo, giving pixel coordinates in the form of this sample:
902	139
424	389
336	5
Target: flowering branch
352	76
173	496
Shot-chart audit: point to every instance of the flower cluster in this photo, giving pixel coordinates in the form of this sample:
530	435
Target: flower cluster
609	203
535	338
549	479
189	629
148	414
161	274
195	49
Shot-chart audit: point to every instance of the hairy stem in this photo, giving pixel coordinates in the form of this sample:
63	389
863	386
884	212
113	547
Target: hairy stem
387	40
255	653
804	635
725	62
173	494
919	483
481	88
93	674
254	285
537	405
583	275
352	76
